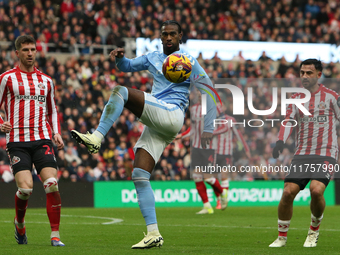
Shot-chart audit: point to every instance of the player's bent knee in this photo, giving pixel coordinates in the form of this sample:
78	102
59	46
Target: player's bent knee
288	194
51	185
316	192
197	177
122	92
24	194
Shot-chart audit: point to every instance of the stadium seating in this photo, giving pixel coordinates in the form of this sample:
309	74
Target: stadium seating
84	83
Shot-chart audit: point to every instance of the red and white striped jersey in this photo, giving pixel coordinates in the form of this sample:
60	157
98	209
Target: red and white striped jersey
316	133
222	140
29	105
197	125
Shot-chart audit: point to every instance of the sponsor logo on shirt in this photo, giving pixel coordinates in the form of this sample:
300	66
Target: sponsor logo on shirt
32	97
321	118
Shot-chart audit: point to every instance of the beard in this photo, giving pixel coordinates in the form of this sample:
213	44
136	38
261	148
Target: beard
309	83
168	50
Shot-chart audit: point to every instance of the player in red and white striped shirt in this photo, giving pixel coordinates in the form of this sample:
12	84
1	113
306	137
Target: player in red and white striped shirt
222	142
203	158
31	123
316	153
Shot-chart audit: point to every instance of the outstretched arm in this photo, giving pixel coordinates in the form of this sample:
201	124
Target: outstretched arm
129	65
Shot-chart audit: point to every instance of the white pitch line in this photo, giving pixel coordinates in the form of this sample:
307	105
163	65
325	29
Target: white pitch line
111	220
119	221
215	226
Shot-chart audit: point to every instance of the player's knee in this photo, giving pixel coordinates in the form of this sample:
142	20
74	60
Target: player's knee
288	194
24	194
210	180
197	177
122	92
316	192
51	185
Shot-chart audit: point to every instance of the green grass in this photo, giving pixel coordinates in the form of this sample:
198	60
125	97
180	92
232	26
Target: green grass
245	230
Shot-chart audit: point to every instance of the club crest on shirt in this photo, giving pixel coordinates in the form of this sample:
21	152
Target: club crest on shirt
322	105
15	160
41	86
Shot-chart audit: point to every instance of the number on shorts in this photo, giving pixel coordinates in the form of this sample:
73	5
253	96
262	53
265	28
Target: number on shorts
47	152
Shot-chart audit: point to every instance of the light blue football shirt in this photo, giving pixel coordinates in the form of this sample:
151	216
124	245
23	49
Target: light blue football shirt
173	93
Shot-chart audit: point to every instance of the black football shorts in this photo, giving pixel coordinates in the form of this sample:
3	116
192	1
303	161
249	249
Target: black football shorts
301	171
23	154
202	158
223	160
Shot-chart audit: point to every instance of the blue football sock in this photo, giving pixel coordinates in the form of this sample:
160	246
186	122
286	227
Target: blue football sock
146	199
113	109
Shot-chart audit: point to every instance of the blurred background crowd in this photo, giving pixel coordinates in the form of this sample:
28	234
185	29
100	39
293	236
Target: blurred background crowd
66	22
83	83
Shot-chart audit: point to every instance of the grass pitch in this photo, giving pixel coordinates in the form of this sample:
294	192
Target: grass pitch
241	230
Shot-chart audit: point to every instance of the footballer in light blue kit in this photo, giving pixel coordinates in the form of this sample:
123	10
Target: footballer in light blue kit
162	112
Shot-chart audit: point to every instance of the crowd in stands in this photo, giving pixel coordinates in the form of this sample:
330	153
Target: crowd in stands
83	84
96	22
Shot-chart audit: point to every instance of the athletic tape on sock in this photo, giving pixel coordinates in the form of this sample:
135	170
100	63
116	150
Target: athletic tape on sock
225	184
210	180
120	91
51	185
24	194
283	225
315	222
197	177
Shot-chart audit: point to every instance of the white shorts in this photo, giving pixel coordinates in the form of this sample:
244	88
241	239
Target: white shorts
162	123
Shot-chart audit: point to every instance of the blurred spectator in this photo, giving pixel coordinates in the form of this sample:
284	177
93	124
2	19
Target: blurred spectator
70	156
83	84
67	7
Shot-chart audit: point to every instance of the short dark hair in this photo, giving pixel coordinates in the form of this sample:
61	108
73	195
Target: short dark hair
23	39
313	61
172	22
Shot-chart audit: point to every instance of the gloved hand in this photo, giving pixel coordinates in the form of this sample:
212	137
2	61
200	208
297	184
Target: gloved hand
278	148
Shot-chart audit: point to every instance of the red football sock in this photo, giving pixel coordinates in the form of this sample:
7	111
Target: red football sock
217	187
20	209
53	205
202	191
217	194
